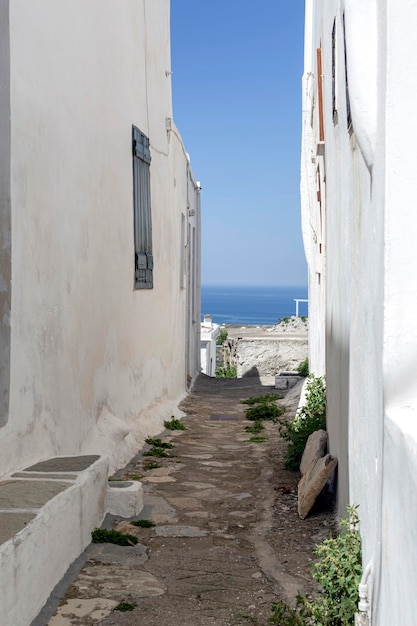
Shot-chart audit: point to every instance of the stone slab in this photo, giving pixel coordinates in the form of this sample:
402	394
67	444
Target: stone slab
315	449
42	475
64	464
118	582
313	481
286	382
12	523
223	417
92	608
180	531
29	494
109	554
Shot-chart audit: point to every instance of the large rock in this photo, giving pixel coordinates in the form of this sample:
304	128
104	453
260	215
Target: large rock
315	449
313	481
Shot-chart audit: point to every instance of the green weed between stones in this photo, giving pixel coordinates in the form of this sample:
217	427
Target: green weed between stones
263	408
143	523
255	428
264	411
302	369
338	570
174	424
158	443
150	465
101	535
158	452
258	439
311	417
125	606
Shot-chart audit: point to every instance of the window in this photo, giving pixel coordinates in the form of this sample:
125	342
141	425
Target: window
142	210
320	94
348	112
334	107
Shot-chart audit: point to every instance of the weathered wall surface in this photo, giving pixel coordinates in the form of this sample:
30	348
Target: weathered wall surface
369	296
268	356
95	365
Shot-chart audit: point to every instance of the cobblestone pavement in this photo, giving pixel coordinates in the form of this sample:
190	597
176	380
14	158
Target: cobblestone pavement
227	541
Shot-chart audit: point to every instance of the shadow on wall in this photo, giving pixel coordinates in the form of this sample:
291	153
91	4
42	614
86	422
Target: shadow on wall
252	373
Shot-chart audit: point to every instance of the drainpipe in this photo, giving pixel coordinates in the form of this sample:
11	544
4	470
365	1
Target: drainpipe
363	616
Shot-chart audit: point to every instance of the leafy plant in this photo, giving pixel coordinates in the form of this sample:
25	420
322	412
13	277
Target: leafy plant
143	523
257	439
264	411
174	424
285	320
311	417
125	606
221	337
229	371
158	443
255	428
284	615
157	452
152	465
101	535
302	369
338	570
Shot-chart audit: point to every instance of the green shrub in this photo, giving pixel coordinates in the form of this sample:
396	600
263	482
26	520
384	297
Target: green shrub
174	424
338	570
152	465
264	411
302	369
101	535
157	452
158	443
221	337
143	523
255	428
229	371
311	417
125	606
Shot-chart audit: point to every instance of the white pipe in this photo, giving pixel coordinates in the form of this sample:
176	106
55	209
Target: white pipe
364	605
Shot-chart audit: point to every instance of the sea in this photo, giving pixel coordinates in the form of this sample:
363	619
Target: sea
258	306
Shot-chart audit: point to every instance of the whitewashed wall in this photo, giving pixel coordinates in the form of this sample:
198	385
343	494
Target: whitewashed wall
95	366
370	289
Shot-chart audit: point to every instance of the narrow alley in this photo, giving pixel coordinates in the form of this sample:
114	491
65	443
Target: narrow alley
226	542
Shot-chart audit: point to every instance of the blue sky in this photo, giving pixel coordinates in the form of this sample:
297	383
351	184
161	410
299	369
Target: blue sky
237	70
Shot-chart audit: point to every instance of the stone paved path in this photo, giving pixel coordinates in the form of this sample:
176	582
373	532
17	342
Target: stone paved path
215	555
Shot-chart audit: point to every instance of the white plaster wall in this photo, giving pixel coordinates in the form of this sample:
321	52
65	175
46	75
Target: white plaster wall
95	365
371	293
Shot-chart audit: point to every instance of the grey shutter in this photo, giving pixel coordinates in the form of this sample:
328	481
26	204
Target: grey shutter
142	210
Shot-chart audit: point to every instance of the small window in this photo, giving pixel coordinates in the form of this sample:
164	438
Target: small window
334	106
320	94
348	111
142	210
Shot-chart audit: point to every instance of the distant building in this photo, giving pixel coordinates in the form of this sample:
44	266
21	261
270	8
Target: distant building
359	190
99	254
208	346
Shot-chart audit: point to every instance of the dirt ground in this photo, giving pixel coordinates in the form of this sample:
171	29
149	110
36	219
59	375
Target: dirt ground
227	540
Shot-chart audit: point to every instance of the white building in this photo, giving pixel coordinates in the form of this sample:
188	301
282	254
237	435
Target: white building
208	345
99	251
359	190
